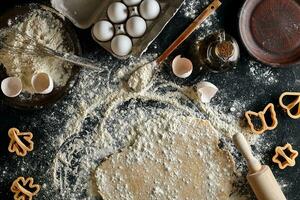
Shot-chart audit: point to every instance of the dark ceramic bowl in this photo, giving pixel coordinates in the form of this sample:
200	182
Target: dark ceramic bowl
38	101
270	30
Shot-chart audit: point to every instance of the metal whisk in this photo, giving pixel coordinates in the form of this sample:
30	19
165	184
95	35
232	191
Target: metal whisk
31	46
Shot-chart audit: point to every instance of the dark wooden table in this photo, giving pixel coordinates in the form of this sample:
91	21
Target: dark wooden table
236	83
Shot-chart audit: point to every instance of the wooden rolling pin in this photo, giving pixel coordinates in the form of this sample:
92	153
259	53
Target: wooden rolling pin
260	177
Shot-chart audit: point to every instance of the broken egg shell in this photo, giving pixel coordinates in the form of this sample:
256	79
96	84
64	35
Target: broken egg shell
103	30
182	67
11	86
121	45
206	91
149	9
131	2
117	12
42	83
136	26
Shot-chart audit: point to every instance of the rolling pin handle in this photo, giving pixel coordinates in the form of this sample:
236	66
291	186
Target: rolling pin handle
243	146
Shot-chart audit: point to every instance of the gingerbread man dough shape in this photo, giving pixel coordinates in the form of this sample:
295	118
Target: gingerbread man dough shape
21	143
295	104
261	115
24	189
289	159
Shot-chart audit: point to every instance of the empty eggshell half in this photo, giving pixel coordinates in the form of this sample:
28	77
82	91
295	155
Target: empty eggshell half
42	83
131	2
182	67
136	26
149	9
103	30
11	86
121	45
206	91
117	12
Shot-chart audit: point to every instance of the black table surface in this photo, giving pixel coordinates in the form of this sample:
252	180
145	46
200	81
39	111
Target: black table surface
287	131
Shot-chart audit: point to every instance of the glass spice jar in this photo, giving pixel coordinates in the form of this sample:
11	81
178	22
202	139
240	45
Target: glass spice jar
218	52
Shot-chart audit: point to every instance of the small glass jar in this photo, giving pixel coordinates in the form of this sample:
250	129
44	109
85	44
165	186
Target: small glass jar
218	52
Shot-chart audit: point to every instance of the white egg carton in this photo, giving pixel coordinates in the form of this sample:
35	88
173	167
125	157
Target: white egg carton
109	21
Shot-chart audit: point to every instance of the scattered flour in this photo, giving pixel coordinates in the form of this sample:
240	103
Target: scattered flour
100	117
114	116
262	74
45	29
191	8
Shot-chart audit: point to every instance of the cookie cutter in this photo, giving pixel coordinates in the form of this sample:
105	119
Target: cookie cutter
289	159
24	189
17	145
288	108
270	107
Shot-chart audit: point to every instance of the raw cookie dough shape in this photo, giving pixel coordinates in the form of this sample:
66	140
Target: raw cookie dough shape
270	107
289	159
24	189
292	105
184	164
17	145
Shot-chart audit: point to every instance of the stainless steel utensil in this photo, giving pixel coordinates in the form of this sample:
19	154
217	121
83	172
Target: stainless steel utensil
33	47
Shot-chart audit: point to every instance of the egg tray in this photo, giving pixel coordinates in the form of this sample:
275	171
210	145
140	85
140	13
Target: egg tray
85	13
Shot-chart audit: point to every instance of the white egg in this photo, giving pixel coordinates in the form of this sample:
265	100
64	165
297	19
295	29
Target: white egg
149	9
11	86
136	26
131	2
121	45
103	30
117	12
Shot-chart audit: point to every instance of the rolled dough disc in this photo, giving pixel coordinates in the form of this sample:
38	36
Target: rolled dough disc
184	162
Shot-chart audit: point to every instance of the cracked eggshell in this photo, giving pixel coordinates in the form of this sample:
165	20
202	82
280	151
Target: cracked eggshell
42	83
11	86
117	12
182	67
206	91
121	45
131	2
149	9
103	30
136	26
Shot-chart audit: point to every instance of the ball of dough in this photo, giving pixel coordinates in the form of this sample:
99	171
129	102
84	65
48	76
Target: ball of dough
136	26
121	45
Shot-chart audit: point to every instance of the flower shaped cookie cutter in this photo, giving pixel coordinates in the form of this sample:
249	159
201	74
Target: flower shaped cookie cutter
20	142
270	107
295	104
24	189
289	159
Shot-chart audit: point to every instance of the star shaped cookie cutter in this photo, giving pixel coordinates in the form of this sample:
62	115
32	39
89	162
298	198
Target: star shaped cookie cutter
289	159
294	104
24	189
270	107
21	143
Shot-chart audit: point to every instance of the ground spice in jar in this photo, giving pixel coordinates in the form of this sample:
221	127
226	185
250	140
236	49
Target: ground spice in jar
224	49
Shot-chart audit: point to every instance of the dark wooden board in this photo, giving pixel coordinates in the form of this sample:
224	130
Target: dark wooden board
236	83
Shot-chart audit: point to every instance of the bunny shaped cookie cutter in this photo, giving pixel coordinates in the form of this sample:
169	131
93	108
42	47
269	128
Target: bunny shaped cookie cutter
292	105
265	126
